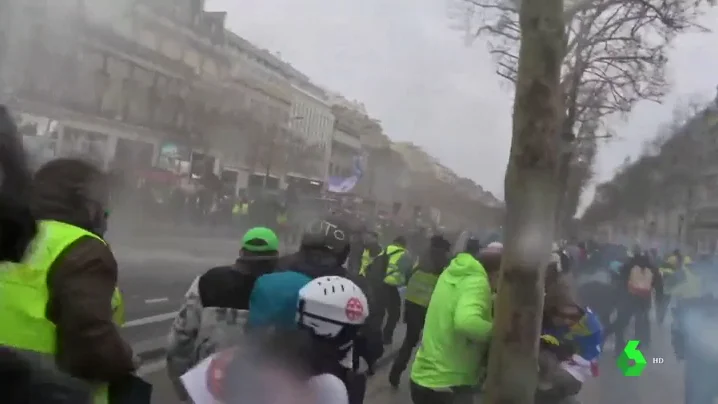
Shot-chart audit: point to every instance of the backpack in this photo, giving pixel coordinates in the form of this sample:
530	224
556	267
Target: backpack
640	281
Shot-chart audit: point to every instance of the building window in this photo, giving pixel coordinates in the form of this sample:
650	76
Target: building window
148	38
112	98
117	68
138	106
192	58
210	67
172	49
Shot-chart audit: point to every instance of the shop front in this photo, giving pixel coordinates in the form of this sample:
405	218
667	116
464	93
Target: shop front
229	179
304	186
257	181
87	145
134	154
175	158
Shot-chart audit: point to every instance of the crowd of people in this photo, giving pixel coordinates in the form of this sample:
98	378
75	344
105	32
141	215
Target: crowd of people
672	284
307	327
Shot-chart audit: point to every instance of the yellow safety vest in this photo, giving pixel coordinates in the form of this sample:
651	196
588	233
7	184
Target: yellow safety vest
690	288
245	208
666	271
366	260
420	287
394	276
282	218
24	295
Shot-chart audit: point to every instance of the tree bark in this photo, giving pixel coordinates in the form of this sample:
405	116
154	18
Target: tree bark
531	197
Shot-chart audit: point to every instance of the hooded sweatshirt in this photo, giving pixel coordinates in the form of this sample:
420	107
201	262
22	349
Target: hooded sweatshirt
457	329
213	316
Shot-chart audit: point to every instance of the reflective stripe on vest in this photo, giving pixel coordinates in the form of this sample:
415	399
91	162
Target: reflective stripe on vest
421	286
366	260
24	294
666	271
394	276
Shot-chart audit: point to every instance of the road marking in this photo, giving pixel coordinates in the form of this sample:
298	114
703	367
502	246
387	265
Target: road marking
151	367
157	300
150	320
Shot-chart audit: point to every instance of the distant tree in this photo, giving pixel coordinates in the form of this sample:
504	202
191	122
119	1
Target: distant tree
300	156
666	174
274	150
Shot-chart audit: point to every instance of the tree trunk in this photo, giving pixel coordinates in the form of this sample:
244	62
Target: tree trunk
531	192
563	175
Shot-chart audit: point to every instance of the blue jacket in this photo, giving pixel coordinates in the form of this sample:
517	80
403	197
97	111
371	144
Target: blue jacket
585	337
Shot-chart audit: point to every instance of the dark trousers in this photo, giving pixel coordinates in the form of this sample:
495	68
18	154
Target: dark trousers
390	306
458	395
414	317
662	308
633	308
356	388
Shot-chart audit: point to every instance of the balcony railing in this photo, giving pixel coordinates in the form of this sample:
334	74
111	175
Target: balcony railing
106	38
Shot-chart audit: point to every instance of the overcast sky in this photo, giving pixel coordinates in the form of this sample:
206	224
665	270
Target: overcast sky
412	70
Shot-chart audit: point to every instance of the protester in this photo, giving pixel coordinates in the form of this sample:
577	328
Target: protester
639	281
22	379
456	333
216	305
84	307
566	365
364	249
294	353
324	249
17	224
418	295
395	263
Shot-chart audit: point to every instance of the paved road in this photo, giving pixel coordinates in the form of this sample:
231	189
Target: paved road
154	274
660	383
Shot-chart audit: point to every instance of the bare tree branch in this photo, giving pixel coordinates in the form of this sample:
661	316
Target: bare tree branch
615	49
660	176
615	54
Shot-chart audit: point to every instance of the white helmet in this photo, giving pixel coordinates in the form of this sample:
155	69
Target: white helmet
331	304
559	258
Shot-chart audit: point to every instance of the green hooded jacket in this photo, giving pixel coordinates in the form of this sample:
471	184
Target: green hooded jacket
457	329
